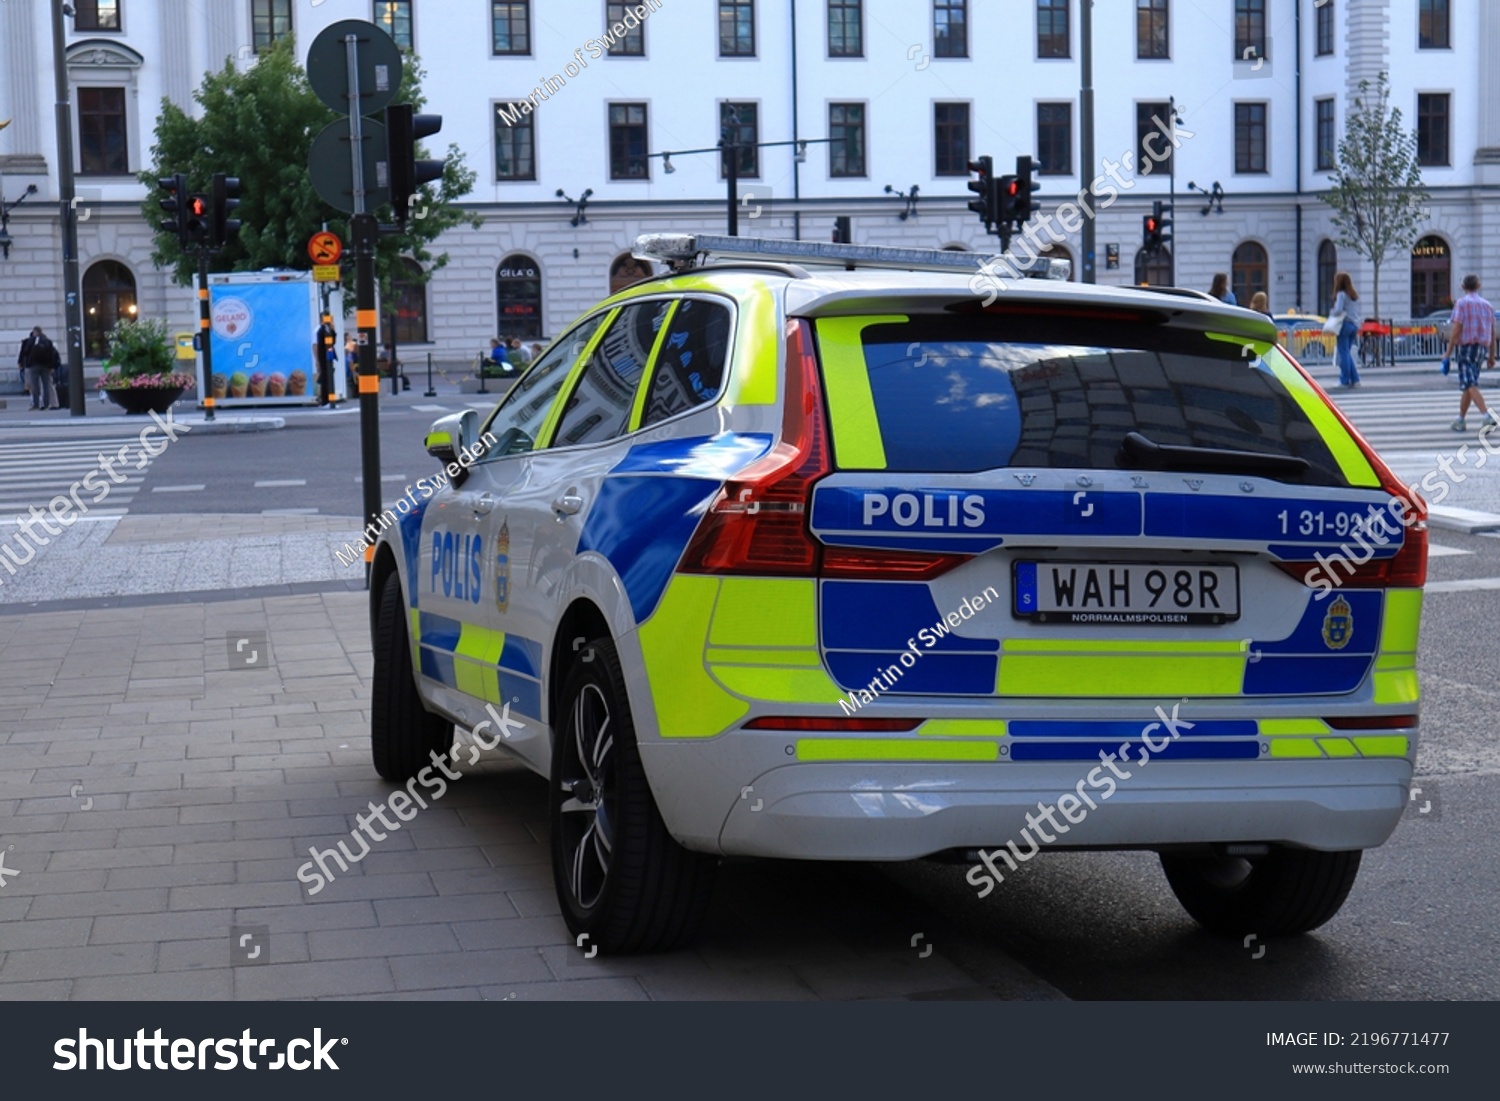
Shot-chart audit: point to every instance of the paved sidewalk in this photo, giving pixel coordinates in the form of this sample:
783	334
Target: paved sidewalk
154	798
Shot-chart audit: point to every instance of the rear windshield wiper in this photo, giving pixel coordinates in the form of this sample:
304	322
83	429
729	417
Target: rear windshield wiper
1139	453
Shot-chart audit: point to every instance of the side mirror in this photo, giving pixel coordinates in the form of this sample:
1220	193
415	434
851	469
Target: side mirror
452	439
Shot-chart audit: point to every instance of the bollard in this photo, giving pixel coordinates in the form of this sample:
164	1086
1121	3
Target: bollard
431	393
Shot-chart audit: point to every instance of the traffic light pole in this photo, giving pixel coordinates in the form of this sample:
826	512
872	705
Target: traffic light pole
205	335
366	232
1086	138
68	217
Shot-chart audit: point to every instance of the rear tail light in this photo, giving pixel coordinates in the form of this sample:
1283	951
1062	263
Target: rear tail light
799	722
758	522
1371	722
1408	569
849	563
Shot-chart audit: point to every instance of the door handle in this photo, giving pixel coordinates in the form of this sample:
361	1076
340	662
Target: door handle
483	504
568	504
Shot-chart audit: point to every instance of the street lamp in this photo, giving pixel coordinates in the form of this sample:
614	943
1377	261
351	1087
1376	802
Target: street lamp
1214	197
5	209
908	197
730	152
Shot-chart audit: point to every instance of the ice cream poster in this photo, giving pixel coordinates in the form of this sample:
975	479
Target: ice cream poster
262	341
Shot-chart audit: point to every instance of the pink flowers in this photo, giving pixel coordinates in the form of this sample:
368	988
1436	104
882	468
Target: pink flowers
114	380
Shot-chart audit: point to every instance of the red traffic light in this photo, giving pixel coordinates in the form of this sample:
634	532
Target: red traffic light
1151	225
1014	189
198	206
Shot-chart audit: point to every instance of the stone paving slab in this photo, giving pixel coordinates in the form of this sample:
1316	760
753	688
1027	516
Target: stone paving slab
158	800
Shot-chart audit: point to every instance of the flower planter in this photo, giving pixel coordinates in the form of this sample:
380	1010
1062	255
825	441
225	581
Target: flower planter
145	399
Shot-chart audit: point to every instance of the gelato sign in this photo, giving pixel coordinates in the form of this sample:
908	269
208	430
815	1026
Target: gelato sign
231	318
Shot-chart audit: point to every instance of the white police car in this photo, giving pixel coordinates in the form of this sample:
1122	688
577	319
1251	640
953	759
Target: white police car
885	559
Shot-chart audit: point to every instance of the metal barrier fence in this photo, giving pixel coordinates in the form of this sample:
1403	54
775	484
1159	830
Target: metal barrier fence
1390	341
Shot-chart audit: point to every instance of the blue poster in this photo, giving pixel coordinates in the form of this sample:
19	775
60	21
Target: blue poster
263	334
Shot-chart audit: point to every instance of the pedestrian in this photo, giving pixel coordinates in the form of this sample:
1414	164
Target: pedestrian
351	375
1220	289
37	361
497	354
1346	308
1260	303
1471	338
517	353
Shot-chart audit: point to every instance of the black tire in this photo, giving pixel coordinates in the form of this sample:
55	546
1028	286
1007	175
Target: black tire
621	878
1286	892
402	731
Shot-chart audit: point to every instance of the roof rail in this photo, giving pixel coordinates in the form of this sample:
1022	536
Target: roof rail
1180	292
687	251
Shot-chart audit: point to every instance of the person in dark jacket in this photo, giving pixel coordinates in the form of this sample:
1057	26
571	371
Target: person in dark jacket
38	359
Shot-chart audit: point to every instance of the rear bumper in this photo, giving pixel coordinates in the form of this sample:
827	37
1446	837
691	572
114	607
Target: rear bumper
888	811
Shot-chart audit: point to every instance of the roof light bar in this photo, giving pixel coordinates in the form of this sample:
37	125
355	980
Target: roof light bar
684	251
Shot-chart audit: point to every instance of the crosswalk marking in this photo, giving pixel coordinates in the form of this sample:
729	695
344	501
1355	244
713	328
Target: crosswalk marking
1396	420
32	473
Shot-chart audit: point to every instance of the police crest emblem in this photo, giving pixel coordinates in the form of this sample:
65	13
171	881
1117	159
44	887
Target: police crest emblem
1338	625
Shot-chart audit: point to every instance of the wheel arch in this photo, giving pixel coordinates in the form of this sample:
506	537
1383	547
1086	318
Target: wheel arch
380	570
583	620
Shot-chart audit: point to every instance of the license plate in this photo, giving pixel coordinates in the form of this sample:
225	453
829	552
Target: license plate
1125	594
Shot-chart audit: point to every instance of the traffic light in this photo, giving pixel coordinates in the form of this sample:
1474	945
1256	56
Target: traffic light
1025	205
1009	190
403	129
226	201
1154	229
985	205
199	223
843	232
175	205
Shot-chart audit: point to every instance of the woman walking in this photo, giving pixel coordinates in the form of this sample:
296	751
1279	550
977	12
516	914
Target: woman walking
1220	289
1346	305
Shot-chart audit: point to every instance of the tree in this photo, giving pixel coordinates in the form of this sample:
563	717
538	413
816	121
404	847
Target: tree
259	125
1377	194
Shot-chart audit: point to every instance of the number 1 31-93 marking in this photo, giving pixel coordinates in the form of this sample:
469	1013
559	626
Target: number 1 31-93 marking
1319	523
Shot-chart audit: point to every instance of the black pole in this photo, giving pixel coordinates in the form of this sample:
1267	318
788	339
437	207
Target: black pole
68	215
395	368
1086	111
205	333
365	229
1172	191
732	174
431	393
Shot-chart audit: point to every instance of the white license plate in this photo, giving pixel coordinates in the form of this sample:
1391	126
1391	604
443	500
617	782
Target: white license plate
1126	593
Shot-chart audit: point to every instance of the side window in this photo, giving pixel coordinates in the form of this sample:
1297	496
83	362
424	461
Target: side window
524	410
690	369
599	407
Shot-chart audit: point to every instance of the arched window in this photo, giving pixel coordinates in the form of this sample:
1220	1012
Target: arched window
627	270
1060	252
1154	270
1431	276
1328	267
409	290
1250	271
518	298
108	297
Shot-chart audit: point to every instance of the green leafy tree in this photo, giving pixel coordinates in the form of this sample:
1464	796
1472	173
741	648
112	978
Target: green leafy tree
259	125
1376	192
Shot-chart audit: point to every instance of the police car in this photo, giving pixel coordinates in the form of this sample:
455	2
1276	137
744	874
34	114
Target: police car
829	552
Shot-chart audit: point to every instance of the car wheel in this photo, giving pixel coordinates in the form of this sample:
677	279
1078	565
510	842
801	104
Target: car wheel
402	731
621	879
1287	891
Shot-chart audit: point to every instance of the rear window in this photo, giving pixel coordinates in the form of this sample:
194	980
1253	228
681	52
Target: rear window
960	395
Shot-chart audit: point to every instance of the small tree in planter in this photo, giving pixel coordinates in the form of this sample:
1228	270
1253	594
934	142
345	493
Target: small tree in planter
139	373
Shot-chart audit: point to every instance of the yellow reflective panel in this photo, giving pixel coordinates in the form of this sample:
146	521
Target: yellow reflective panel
1399	686
857	443
1403	618
764	611
1295	747
965	728
1338	747
1293	726
689	702
1119	675
1384	745
771	685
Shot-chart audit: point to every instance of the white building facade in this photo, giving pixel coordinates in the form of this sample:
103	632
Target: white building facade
894	98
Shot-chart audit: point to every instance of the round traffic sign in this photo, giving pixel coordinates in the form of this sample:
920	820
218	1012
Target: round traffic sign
379	66
325	248
332	171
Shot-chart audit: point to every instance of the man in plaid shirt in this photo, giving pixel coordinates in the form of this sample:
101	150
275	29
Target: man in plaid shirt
1471	340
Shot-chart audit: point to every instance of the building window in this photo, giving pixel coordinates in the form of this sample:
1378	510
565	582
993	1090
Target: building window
409	290
101	132
1250	137
844	28
270	21
950	28
846	126
627	270
515	142
511	27
950	138
1153	269
1250	272
1151	38
737	28
1052	37
1153	136
1431	276
1327	137
1432	25
394	17
1249	29
1325	28
1432	128
96	15
627	142
633	44
518	298
739	123
1328	270
1054	138
108	298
